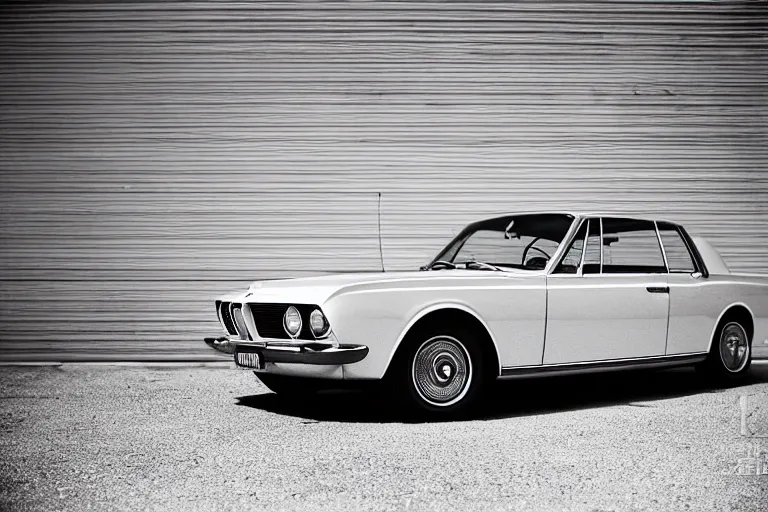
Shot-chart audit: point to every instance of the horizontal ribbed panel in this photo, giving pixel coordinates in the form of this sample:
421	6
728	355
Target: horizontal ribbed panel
156	154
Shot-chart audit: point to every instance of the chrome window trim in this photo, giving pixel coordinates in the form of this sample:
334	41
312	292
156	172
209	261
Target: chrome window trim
601	242
559	254
698	264
580	270
663	251
698	261
658	238
586	245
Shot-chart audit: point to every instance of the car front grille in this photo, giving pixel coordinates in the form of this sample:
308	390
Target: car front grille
237	315
226	318
269	320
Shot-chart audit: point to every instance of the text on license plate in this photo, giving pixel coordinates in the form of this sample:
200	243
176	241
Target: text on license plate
248	359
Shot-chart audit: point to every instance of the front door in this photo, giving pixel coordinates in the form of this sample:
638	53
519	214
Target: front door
615	303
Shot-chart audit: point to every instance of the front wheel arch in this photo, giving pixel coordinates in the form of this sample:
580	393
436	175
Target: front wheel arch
441	369
451	316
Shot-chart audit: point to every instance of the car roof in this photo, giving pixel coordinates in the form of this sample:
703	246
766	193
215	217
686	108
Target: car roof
586	213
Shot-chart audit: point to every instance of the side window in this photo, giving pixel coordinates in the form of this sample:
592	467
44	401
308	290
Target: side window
631	246
678	256
592	255
572	259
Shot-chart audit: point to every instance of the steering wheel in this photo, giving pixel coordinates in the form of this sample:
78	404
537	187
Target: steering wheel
542	251
537	262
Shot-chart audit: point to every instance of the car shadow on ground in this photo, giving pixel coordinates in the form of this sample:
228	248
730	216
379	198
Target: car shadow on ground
508	399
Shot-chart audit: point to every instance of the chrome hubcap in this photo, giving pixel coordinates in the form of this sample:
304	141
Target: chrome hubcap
441	371
734	347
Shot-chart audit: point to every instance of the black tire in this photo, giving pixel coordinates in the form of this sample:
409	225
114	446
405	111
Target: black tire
730	356
440	372
284	385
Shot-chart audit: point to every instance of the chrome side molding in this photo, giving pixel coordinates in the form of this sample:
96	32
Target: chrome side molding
597	366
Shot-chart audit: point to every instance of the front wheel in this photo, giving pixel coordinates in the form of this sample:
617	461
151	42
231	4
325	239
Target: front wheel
731	354
441	374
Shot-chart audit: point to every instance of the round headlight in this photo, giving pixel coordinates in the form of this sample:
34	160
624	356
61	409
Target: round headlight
318	323
292	322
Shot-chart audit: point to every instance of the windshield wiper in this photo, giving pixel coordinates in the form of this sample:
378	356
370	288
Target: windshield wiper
469	264
480	265
439	264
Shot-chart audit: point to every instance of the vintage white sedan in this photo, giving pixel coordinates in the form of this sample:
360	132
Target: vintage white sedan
511	296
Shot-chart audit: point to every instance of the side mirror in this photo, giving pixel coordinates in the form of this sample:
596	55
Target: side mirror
696	275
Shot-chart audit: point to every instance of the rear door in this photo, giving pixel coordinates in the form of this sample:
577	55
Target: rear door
615	303
690	322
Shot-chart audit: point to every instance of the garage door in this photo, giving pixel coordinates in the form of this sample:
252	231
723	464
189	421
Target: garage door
156	154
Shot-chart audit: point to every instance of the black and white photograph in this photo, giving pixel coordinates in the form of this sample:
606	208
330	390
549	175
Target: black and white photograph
384	255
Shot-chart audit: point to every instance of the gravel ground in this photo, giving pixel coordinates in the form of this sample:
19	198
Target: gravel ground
91	437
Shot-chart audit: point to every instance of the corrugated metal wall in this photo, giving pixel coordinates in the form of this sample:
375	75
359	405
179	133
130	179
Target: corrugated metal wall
155	154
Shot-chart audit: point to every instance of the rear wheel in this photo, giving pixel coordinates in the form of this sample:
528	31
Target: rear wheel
441	373
731	354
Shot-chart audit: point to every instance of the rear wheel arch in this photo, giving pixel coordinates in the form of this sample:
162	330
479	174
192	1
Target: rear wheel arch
737	312
730	349
452	316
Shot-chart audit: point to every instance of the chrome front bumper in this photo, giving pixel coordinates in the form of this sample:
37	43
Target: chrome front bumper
271	353
221	344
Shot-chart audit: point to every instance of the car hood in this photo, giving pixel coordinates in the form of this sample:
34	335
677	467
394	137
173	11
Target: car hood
317	290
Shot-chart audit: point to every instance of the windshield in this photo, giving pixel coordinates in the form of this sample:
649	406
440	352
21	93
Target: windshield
516	241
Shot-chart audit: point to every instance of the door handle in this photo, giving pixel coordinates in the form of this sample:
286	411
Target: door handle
658	289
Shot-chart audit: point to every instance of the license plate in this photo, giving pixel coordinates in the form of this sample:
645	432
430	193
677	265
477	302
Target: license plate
249	360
